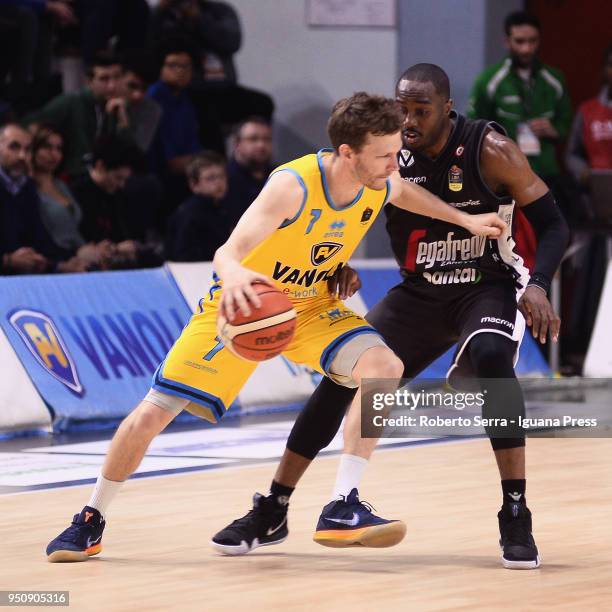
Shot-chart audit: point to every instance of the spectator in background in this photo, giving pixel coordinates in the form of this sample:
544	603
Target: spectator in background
83	116
107	213
134	115
527	97
201	224
589	148
59	211
530	100
250	164
214	29
25	245
590	142
176	141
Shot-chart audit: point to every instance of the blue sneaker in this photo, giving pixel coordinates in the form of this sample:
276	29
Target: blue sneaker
81	540
350	522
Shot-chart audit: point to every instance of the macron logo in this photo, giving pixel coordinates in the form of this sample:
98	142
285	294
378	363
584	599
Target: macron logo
498	321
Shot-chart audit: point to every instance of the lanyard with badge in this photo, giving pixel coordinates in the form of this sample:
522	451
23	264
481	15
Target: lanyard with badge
527	141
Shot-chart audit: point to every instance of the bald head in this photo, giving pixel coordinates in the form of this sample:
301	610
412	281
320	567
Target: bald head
426	73
15	150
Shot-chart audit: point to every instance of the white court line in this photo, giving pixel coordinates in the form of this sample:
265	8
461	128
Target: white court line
215	448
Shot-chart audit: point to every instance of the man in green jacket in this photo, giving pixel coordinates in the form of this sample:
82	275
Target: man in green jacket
528	98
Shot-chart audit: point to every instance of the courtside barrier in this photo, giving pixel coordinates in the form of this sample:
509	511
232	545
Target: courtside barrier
598	362
90	342
81	349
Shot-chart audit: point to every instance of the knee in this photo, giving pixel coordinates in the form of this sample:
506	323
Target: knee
378	362
149	418
492	355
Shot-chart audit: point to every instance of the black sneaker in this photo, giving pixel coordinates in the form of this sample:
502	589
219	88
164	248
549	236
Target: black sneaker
264	525
81	540
519	550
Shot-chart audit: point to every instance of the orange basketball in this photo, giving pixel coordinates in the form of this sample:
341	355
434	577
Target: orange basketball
266	332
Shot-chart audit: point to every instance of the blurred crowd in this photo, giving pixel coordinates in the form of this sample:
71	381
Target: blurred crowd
126	138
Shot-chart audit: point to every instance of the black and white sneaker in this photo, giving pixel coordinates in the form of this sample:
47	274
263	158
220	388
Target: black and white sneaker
519	550
264	525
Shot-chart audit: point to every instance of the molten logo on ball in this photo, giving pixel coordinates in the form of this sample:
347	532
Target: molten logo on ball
278	337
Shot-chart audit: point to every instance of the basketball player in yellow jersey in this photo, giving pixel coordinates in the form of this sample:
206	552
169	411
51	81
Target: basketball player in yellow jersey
304	225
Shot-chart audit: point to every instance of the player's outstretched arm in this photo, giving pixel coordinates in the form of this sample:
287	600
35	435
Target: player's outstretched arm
506	170
415	199
280	199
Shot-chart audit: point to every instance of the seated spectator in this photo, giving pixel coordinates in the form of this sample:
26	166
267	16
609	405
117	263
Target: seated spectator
176	141
107	213
201	224
214	28
590	141
250	164
25	245
135	116
59	211
82	116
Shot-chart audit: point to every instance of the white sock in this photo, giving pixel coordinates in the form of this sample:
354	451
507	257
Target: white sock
350	473
103	494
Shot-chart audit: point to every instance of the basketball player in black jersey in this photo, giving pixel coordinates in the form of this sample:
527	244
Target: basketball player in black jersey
457	288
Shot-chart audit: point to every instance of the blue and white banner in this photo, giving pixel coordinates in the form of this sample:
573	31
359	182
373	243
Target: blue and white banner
91	342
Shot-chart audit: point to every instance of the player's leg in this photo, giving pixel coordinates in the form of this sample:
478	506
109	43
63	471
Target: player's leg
128	446
205	388
410	338
492	331
345	520
492	357
321	417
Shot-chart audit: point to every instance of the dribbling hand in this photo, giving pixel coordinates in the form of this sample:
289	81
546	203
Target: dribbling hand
238	293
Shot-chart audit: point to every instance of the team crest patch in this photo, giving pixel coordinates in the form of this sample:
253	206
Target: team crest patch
455	178
367	215
323	251
405	158
44	341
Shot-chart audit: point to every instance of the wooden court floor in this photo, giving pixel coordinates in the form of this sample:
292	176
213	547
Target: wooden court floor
156	554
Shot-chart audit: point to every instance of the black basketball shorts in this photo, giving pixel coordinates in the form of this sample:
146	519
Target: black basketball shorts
420	325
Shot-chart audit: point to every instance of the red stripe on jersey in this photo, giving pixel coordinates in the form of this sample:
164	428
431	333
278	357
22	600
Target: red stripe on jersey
411	249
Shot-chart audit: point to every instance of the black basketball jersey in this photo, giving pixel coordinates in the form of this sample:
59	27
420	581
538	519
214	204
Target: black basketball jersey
442	254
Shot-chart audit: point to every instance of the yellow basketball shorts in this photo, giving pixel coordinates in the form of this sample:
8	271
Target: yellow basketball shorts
199	369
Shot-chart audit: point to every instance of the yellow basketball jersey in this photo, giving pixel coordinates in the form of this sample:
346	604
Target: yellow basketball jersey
304	252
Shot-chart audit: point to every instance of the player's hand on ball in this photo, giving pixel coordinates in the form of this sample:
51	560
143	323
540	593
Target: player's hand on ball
487	224
539	314
238	292
344	283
